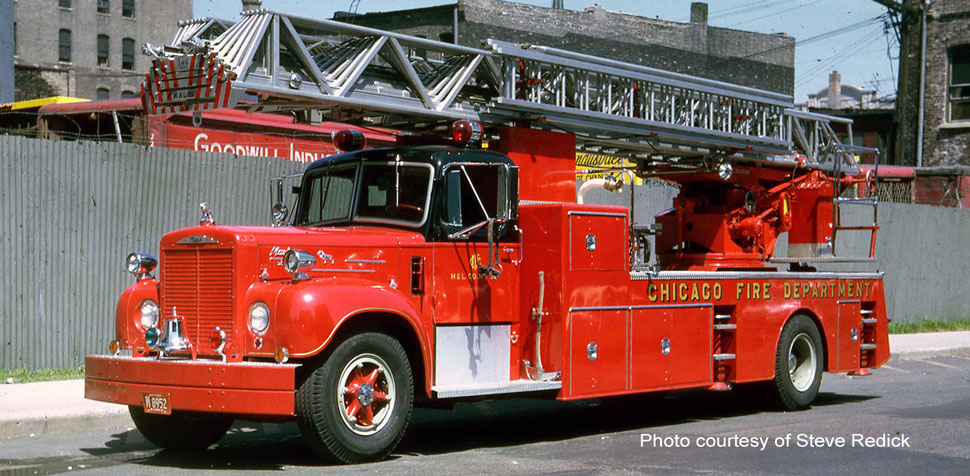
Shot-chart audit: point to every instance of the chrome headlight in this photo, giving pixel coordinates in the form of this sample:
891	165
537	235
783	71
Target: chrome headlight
296	261
140	264
149	313
259	318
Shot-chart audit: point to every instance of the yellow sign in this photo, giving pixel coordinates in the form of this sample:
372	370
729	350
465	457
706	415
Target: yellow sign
592	166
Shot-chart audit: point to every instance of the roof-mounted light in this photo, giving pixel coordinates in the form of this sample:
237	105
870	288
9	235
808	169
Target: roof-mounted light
349	140
466	133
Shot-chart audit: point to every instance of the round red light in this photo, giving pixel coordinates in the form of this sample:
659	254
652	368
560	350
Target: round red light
217	339
348	140
466	132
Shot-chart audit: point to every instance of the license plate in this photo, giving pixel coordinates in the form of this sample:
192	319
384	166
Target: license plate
158	403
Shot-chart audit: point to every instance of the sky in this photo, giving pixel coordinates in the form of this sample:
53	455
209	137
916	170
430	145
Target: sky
860	47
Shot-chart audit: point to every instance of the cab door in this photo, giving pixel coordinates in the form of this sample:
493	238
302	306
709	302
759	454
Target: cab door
464	291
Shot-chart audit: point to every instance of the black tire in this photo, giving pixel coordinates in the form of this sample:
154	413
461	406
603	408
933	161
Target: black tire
798	363
362	424
181	431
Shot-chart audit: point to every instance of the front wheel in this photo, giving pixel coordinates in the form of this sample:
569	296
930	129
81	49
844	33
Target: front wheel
355	406
798	363
182	430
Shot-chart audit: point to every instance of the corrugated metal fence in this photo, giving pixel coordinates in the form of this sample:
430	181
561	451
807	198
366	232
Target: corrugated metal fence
71	213
73	210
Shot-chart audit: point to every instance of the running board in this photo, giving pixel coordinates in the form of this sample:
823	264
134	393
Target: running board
498	388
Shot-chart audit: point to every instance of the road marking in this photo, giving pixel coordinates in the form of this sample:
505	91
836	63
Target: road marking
940	364
884	366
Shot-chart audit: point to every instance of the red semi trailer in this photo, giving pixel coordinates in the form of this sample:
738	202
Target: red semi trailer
442	270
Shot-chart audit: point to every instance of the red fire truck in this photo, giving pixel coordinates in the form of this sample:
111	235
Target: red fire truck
460	263
226	131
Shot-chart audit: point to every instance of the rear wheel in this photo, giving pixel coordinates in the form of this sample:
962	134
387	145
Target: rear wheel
798	363
181	431
356	405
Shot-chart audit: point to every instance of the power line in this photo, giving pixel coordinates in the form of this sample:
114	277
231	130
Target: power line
772	14
849	51
823	36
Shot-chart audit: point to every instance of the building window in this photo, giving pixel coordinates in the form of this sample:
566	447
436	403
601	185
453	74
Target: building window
128	8
64	46
104	7
103	93
103	42
128	54
960	84
64	3
128	94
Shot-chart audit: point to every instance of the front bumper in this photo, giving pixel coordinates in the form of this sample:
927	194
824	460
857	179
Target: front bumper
244	388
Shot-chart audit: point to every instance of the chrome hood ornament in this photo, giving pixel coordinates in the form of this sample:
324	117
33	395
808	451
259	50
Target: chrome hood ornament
206	218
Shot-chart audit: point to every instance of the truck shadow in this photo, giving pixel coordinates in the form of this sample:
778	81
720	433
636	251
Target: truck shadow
468	425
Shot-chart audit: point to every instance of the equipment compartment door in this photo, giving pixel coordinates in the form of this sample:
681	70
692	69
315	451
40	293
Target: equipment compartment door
597	241
691	341
671	346
598	351
848	347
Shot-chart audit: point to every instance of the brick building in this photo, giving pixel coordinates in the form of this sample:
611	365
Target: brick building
872	117
759	60
88	48
946	126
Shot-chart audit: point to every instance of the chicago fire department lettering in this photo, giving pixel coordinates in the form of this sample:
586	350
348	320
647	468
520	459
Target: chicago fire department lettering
684	292
758	291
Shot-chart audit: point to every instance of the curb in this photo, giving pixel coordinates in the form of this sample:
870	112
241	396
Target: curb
926	353
30	427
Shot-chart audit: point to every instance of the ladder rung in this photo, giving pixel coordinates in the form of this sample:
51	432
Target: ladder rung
724	356
872	320
722	316
867	312
868	346
725	327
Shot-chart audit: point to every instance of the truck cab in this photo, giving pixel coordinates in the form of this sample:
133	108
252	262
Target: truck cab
384	247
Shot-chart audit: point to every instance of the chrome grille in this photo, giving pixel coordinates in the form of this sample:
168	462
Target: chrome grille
198	283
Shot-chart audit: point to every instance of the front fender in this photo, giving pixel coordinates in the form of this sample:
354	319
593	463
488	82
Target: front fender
128	329
315	309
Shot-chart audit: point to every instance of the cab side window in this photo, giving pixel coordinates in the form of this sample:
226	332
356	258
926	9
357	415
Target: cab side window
471	197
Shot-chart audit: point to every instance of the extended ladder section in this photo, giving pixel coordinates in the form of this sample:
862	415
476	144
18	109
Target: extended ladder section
327	70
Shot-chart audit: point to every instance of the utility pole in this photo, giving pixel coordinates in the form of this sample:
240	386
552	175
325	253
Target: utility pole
6	51
910	89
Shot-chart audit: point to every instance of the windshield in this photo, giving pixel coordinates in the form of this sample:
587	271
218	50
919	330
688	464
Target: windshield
385	192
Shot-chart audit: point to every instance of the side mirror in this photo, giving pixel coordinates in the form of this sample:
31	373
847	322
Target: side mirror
507	194
280	212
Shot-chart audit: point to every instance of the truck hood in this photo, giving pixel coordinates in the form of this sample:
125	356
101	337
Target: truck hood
370	251
292	237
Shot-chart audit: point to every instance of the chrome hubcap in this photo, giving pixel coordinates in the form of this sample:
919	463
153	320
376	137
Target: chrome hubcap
364	394
802	362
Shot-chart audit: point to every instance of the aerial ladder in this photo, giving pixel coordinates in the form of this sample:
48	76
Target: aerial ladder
788	166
